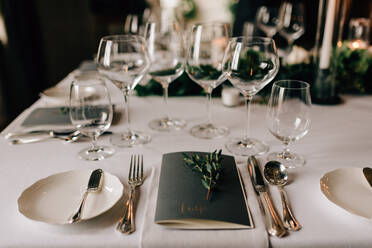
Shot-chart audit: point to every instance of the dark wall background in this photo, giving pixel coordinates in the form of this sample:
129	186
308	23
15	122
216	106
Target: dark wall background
47	39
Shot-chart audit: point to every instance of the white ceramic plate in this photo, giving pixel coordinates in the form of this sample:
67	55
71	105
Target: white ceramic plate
63	93
349	189
53	199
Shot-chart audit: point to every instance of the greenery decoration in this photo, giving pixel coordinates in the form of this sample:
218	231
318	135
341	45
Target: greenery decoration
189	9
209	167
353	76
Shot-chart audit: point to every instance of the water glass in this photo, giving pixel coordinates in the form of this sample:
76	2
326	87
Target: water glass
91	112
288	118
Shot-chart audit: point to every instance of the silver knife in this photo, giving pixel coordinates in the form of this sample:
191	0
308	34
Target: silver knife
94	185
35	133
368	174
274	224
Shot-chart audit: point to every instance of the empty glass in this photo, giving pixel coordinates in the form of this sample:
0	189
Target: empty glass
166	51
207	43
250	63
267	20
124	60
292	23
288	118
91	112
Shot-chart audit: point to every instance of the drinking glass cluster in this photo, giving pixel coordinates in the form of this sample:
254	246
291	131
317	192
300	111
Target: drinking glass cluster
209	56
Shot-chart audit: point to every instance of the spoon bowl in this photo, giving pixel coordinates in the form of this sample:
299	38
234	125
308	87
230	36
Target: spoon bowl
275	173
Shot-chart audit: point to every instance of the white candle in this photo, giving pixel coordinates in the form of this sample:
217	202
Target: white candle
326	49
230	97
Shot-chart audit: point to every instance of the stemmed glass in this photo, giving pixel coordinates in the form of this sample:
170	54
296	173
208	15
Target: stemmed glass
165	46
207	43
267	19
292	24
288	118
249	63
91	112
124	60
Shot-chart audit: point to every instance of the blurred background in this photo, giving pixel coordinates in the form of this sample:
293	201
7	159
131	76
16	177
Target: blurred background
41	42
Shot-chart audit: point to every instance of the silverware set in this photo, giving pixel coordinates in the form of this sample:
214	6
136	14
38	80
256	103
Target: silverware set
275	174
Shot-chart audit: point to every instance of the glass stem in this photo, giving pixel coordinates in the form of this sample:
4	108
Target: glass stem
165	99
209	104
287	52
285	154
94	143
126	101
248	100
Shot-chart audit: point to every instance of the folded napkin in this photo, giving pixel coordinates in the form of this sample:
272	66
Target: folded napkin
154	235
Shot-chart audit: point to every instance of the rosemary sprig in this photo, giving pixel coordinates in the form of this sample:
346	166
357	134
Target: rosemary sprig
209	166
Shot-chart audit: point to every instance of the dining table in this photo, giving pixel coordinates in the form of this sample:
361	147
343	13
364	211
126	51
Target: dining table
340	136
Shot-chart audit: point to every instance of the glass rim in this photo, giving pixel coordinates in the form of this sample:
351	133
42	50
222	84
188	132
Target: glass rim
301	84
210	24
253	39
122	37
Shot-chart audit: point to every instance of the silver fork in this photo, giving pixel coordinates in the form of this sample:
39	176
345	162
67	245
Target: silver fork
135	179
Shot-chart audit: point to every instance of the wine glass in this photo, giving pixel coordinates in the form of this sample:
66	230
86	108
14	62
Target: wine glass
249	63
292	24
288	118
267	19
165	46
207	43
91	112
124	60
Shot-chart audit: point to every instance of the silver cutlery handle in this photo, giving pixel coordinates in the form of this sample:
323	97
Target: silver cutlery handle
126	223
289	220
76	216
274	224
26	140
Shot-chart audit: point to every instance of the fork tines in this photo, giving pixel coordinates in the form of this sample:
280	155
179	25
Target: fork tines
136	168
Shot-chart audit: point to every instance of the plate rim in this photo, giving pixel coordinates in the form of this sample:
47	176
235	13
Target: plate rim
349	210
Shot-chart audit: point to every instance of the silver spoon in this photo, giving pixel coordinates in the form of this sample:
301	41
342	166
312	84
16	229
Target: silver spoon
276	174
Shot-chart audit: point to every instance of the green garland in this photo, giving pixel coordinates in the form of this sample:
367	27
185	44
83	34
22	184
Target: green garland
353	76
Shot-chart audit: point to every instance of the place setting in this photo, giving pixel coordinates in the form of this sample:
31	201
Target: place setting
113	148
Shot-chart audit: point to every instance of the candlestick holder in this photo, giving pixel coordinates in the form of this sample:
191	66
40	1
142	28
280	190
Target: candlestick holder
331	19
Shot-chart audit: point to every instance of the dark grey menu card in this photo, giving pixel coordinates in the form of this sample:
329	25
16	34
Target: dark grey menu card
182	203
48	116
56	116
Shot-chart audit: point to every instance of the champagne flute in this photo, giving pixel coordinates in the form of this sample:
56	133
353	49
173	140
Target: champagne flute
91	112
124	60
207	43
292	24
288	118
267	19
165	46
250	63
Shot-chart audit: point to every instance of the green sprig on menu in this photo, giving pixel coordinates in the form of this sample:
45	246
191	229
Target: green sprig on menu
209	166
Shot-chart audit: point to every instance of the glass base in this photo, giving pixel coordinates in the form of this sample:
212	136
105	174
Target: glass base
209	131
130	139
167	124
246	147
97	153
289	160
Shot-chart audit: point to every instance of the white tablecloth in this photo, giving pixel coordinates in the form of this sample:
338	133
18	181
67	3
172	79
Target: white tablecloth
340	136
